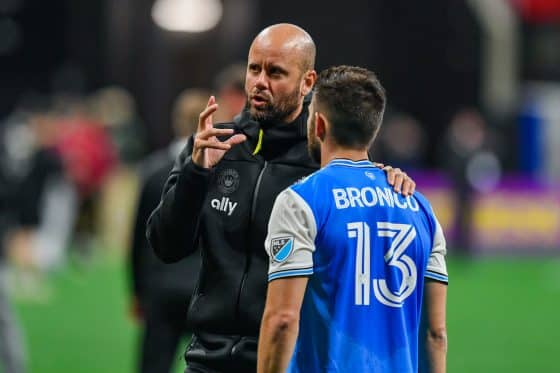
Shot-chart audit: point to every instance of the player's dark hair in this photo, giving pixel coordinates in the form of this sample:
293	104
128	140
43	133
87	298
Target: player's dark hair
353	100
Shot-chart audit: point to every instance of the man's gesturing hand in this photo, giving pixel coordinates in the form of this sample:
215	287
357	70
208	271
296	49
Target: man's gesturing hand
207	149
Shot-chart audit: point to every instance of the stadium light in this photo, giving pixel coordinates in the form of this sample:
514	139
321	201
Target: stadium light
187	15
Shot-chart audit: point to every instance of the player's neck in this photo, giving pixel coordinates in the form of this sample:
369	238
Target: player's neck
341	153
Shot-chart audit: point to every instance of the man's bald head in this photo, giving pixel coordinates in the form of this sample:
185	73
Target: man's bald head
290	38
279	73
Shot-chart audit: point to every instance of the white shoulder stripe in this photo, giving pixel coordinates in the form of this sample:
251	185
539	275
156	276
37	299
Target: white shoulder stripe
436	276
290	273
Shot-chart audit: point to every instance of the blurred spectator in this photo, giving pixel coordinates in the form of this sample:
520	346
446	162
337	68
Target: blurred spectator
401	143
161	292
88	153
12	357
46	201
230	92
468	154
114	107
539	10
89	156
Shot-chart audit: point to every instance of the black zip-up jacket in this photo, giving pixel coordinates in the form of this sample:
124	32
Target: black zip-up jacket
225	211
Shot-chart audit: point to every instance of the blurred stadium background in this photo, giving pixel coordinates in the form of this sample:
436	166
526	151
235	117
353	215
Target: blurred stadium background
474	93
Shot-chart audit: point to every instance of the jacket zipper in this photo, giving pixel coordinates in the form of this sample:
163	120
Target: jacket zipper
247	249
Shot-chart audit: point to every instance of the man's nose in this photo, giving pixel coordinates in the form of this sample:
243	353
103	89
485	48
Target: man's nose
262	81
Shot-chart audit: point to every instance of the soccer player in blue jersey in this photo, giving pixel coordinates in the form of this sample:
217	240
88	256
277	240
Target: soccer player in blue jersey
351	262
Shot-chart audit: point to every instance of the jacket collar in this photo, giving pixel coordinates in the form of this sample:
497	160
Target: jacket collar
277	136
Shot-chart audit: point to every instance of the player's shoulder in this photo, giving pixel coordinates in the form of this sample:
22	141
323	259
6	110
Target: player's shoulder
420	197
312	180
292	200
423	204
337	173
348	170
310	189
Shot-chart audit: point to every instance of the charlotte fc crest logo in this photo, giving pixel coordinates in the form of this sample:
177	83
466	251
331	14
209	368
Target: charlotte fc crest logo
281	248
228	181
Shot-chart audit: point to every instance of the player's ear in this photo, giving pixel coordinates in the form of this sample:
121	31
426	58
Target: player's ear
308	82
320	126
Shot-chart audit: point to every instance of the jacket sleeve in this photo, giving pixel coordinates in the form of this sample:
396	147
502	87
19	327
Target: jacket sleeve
172	226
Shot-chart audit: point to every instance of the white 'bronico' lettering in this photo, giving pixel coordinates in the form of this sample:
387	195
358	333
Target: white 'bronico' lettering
370	197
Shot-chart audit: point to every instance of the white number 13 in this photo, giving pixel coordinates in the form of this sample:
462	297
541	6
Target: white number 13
402	235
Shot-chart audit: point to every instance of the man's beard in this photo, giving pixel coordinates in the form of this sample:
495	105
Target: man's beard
314	150
276	111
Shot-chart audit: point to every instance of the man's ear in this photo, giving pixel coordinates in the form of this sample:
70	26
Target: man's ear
308	82
320	126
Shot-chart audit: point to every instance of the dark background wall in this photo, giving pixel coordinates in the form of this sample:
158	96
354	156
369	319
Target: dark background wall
428	54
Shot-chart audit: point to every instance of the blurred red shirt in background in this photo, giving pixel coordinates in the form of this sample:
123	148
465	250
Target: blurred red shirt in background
539	11
87	153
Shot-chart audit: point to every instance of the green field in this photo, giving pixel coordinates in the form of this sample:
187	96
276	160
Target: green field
503	316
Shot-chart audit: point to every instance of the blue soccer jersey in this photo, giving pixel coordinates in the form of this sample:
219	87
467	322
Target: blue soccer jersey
366	250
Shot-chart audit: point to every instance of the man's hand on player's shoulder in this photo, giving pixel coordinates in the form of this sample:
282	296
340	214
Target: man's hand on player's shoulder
401	182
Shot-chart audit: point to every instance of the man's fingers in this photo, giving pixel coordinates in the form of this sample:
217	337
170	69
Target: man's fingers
211	132
390	174
400	181
207	112
211	102
409	186
236	139
207	139
399	178
211	144
205	118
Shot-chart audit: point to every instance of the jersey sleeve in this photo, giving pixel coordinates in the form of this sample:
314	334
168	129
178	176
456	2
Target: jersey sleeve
290	242
437	268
